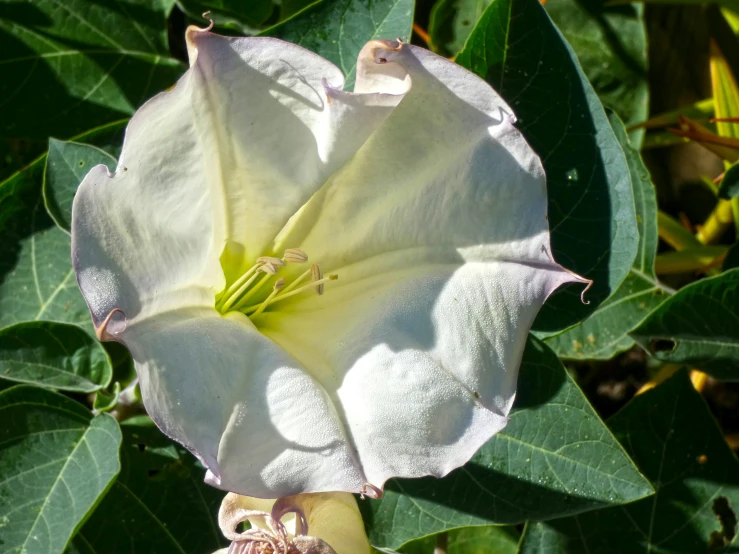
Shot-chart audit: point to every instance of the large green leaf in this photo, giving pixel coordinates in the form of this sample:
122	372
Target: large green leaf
699	326
672	436
67	163
555	457
470	540
604	333
159	504
56	461
55	355
452	21
37	281
338	29
611	44
517	49
71	65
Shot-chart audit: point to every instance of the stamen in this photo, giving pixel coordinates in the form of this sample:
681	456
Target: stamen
271	299
253	291
316	275
233	297
235	286
279	284
295	256
297	281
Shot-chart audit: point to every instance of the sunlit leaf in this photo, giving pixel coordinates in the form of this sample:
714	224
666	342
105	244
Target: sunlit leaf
698	326
671	435
55	355
56	461
158	504
36	277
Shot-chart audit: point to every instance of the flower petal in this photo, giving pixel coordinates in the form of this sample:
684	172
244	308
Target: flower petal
212	170
421	362
255	418
278	125
437	230
446	169
143	239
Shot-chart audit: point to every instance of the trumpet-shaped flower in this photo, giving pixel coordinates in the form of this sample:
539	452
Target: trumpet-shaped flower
323	523
321	290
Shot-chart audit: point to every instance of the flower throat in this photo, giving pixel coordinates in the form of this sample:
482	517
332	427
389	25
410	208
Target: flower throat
237	296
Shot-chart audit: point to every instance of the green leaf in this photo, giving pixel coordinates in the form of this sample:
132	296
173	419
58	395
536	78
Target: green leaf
517	49
611	44
732	257
69	66
291	7
672	436
338	29
452	21
604	333
698	326
106	401
729	187
37	281
56	461
555	457
244	14
470	540
158	504
67	163
55	355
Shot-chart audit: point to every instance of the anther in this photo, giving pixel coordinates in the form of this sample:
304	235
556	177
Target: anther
279	284
268	268
316	275
295	256
277	262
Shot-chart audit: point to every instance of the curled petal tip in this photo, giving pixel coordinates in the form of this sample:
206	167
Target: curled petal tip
206	15
587	287
101	331
371	491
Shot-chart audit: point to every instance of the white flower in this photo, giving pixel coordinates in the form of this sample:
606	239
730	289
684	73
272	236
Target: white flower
421	211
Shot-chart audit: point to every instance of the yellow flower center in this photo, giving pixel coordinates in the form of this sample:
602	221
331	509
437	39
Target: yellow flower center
238	295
